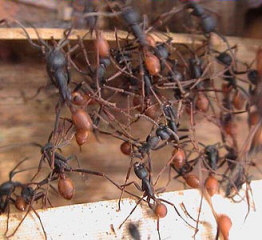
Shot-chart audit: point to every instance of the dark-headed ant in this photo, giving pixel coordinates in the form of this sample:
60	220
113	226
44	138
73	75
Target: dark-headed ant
148	191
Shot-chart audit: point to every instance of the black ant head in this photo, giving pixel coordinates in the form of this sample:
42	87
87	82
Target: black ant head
208	23
27	193
169	111
140	170
224	58
130	16
197	10
162	132
211	149
56	59
253	76
46	148
212	155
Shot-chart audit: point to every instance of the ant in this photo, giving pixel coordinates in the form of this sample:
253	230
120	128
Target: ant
159	208
7	189
56	62
26	199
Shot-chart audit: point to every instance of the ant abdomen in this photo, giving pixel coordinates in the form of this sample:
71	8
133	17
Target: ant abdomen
192	180
81	119
211	185
126	148
224	225
102	46
179	158
160	210
82	136
152	64
65	187
20	203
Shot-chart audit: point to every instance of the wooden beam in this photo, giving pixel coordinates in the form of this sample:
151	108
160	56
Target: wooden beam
101	220
57	33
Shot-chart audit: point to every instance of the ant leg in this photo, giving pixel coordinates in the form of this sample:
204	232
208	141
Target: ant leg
149	166
102	175
12	172
40	221
25	98
72	157
164	168
7	220
27	35
138	202
12	234
127	177
39	167
134	183
157	227
9	236
163	200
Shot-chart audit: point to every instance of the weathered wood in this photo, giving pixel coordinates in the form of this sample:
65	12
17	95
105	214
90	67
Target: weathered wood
58	33
101	220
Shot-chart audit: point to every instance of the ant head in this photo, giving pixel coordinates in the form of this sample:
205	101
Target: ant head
130	15
49	146
224	58
211	149
27	193
197	10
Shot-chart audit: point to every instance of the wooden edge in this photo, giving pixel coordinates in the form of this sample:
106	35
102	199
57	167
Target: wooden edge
58	33
101	220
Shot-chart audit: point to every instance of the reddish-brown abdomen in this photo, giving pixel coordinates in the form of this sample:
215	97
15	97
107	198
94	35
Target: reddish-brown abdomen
192	181
102	46
238	100
253	118
211	185
66	187
126	148
179	158
150	40
81	119
81	136
152	111
230	128
224	224
20	203
202	103
160	210
152	64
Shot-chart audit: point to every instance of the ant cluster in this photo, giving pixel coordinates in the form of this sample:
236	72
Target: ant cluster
158	82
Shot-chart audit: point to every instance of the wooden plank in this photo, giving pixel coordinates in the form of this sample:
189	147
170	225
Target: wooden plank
58	33
101	220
